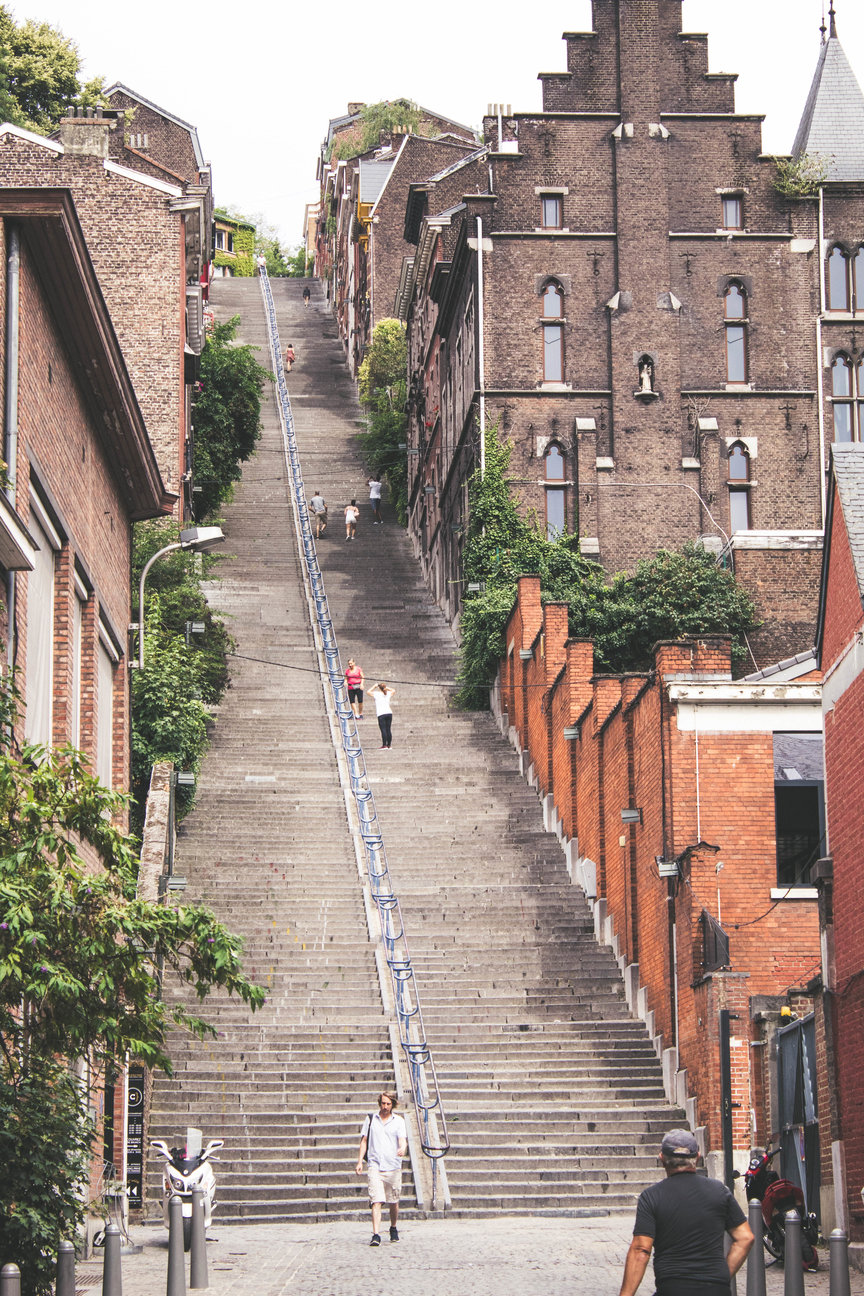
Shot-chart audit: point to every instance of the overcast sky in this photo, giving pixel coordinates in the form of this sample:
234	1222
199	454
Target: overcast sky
261	82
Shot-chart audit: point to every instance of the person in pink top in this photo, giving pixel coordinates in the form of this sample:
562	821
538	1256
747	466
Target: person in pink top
354	680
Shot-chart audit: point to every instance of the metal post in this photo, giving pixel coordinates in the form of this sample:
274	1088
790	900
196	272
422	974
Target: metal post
112	1281
793	1265
65	1285
838	1253
756	1258
176	1268
198	1259
10	1280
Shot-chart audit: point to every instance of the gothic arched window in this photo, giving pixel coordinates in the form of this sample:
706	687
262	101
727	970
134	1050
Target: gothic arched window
739	487
735	320
838	280
556	492
843	398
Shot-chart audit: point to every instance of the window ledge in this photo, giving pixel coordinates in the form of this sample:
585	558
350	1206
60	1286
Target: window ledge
556	386
739	387
794	893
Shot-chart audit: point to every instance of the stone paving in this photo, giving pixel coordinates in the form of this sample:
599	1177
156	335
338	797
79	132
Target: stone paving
435	1257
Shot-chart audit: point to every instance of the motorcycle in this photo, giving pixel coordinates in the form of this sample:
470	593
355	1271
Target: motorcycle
778	1196
184	1169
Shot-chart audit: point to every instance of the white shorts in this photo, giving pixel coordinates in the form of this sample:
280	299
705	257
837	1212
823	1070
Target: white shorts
384	1185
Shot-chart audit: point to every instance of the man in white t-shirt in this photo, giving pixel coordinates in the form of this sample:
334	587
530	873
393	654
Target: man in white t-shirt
384	1142
374	484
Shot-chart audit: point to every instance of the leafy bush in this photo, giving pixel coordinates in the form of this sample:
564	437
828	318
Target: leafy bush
227	415
800	177
80	960
377	119
669	596
383	380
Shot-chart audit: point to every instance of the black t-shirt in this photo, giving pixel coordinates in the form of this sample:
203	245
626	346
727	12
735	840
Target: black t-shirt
688	1215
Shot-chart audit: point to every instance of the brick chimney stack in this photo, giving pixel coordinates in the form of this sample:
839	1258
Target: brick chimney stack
85	131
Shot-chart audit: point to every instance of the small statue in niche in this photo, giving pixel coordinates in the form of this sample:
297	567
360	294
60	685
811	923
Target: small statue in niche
646	376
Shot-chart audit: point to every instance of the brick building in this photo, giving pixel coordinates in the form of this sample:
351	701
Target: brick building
233	247
360	245
149	239
647	316
689	806
80	470
841	631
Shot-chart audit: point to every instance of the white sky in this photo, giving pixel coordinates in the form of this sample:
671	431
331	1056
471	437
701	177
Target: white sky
261	82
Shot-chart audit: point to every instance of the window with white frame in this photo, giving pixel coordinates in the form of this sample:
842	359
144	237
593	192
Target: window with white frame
555	491
553	333
106	666
739	487
735	324
39	682
847	397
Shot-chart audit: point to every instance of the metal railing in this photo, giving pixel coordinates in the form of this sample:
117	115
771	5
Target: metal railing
431	1121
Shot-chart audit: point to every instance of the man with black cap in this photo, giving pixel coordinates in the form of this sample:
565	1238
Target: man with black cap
684	1218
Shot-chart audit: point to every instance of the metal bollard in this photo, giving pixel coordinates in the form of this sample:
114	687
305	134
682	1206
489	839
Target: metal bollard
10	1280
198	1259
756	1258
65	1285
793	1265
838	1258
112	1281
176	1265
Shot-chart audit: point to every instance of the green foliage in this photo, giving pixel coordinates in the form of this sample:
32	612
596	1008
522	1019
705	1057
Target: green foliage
377	119
39	75
383	381
298	267
80	960
669	596
800	177
226	417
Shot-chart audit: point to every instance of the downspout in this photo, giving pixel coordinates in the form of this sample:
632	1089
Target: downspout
820	384
10	421
481	362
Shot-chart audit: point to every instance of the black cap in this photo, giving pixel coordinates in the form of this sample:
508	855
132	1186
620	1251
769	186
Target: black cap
679	1142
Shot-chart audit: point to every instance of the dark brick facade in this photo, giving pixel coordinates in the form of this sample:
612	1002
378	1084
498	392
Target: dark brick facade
689	305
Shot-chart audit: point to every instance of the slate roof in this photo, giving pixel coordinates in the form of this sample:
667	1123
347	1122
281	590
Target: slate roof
848	461
373	176
832	126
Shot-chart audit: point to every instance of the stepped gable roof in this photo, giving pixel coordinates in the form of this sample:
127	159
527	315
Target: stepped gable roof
846	484
832	126
119	88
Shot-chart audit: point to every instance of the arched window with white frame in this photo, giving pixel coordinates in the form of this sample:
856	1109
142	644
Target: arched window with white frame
738	483
735	319
553	333
554	466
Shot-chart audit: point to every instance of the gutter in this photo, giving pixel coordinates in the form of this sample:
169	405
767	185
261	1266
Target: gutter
10	413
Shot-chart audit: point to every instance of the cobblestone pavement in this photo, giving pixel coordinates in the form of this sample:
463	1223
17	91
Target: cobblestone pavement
493	1257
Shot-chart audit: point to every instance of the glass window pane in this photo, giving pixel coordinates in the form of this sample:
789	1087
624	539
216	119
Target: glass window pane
552	213
554	512
553	358
739	510
838	281
739	464
843	422
736	355
858	272
841	377
552	303
735	303
554	464
731	213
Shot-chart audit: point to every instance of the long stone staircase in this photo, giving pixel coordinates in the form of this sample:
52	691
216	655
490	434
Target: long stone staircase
552	1092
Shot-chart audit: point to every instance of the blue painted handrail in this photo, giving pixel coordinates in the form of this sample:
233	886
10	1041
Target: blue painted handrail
412	1036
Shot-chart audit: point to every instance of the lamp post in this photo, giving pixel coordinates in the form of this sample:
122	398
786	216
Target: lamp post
198	539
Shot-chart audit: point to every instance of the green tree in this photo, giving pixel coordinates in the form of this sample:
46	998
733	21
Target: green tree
40	74
383	382
80	963
377	119
669	596
226	418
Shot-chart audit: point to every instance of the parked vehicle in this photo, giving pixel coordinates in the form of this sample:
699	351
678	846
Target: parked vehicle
778	1196
184	1169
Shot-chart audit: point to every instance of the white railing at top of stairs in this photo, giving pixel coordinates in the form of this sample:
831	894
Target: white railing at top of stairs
431	1121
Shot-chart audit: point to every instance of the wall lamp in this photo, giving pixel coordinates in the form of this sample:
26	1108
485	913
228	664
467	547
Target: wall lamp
199	540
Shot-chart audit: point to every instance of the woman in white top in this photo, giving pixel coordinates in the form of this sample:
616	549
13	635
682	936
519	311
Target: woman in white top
382	695
351	515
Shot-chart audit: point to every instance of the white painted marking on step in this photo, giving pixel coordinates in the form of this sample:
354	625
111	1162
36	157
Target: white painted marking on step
260	778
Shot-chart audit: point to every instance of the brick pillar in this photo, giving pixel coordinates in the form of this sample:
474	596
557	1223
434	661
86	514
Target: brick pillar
89	677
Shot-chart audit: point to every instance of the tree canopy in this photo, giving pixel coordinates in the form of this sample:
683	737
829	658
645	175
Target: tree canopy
383	381
674	594
40	75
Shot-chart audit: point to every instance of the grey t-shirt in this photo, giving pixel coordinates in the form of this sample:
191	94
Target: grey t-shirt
688	1216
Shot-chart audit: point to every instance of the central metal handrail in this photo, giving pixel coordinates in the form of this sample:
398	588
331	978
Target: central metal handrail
425	1093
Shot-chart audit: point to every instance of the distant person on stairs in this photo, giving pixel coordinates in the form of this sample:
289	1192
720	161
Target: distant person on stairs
381	696
354	680
684	1219
352	513
383	1142
318	506
375	498
290	357
306	295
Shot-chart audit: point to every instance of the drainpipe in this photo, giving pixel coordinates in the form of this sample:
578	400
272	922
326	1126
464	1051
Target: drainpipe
820	392
481	364
10	421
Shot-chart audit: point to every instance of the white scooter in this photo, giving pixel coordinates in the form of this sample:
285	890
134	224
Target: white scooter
185	1169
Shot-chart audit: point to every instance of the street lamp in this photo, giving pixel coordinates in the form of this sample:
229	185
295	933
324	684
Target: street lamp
198	539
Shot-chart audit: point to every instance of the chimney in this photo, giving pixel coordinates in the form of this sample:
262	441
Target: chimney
85	131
